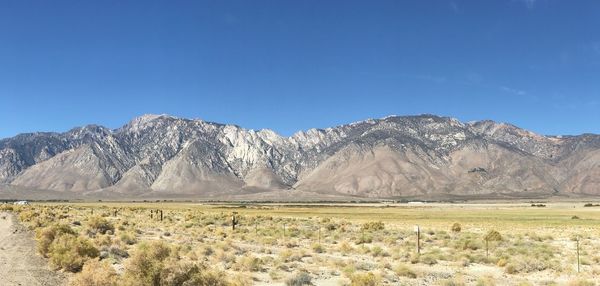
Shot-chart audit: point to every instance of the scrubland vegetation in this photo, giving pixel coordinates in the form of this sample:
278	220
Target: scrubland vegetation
129	244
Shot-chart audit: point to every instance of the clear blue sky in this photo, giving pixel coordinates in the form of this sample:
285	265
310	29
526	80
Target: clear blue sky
291	65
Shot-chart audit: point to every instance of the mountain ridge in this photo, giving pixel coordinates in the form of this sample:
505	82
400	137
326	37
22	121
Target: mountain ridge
395	156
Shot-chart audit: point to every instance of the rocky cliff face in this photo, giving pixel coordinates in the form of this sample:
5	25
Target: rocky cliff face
398	156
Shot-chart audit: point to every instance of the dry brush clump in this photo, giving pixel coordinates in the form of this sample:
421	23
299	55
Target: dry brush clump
299	279
456	227
493	235
373	226
70	252
365	279
6	207
99	225
156	263
95	273
405	271
530	256
45	236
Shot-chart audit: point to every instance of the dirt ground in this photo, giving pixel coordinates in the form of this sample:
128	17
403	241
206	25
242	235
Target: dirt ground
19	263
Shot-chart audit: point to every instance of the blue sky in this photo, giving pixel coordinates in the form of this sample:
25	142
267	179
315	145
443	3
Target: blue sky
292	65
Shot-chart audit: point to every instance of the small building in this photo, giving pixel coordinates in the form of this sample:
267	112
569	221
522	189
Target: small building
416	203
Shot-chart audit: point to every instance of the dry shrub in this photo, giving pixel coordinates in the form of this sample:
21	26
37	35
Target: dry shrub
6	207
299	279
526	264
364	238
95	273
345	247
45	236
373	226
237	280
128	238
98	224
487	280
318	248
501	262
468	244
493	235
378	251
428	258
28	215
191	274
331	226
581	282
146	264
456	227
405	271
364	279
119	251
207	250
456	281
249	263
156	263
70	252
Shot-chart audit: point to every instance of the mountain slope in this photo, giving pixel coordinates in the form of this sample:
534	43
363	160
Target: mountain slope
397	156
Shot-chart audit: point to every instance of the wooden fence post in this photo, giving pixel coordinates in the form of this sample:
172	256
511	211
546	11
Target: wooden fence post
234	220
578	263
418	231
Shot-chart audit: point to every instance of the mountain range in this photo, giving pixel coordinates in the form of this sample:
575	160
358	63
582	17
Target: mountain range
423	156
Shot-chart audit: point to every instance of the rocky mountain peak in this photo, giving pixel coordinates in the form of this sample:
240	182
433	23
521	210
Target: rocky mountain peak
394	156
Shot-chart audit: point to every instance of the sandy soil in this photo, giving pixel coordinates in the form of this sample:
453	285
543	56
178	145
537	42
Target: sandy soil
19	263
